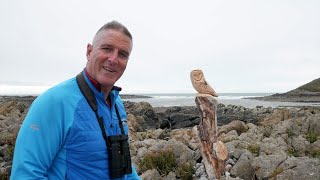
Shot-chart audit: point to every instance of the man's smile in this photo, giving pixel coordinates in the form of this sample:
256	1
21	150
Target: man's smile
108	69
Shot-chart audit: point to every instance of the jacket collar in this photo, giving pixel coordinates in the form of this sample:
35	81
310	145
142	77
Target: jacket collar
114	93
97	85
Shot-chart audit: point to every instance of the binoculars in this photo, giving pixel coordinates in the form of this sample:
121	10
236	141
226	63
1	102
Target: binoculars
119	156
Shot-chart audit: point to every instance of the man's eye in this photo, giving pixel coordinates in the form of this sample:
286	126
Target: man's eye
123	55
107	49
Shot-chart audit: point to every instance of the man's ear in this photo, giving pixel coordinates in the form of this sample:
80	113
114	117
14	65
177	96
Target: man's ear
89	50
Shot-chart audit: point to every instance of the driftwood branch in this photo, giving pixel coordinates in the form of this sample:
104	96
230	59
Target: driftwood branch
213	152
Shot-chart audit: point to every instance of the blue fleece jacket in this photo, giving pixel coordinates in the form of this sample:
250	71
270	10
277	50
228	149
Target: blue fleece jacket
60	137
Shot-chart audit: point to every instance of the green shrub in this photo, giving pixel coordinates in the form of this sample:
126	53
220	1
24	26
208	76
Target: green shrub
253	148
163	161
311	136
185	171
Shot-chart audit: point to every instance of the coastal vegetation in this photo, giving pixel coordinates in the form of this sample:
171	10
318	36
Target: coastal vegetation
254	148
312	136
185	171
163	161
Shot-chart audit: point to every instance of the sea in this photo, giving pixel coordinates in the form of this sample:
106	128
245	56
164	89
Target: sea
169	99
188	99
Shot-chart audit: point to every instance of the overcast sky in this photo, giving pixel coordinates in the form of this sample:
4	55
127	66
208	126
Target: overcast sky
242	46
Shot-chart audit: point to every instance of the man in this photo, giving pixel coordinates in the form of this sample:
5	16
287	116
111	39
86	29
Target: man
60	137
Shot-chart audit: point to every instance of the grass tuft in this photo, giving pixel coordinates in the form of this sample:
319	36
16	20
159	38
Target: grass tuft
163	161
185	171
253	148
311	136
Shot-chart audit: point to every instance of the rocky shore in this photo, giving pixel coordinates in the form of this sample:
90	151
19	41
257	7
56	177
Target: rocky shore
263	143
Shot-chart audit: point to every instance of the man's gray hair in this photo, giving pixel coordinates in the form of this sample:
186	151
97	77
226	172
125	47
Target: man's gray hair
115	25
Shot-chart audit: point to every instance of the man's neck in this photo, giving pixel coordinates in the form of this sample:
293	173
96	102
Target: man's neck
97	85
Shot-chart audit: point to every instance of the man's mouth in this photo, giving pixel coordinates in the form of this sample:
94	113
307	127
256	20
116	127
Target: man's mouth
108	69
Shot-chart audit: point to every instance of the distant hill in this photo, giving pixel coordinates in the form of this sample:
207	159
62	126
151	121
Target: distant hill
309	92
313	86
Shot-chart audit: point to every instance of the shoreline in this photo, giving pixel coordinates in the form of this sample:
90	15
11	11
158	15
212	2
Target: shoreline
276	98
164	103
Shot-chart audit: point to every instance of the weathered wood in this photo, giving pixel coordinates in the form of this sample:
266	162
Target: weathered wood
213	152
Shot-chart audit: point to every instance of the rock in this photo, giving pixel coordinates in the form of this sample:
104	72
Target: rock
271	146
299	168
232	135
277	116
200	170
239	126
146	111
314	124
2	117
170	176
253	135
133	127
266	165
313	149
182	152
7	107
151	175
231	162
299	145
142	152
233	151
282	127
243	167
165	123
228	168
181	120
197	156
7	138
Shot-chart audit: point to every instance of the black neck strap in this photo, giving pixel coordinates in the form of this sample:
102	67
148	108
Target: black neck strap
88	94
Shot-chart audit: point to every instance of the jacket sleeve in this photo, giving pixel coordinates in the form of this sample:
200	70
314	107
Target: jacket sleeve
40	138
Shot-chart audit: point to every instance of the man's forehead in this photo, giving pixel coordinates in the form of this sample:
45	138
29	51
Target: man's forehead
113	37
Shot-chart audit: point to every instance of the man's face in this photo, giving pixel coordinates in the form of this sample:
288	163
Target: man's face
108	56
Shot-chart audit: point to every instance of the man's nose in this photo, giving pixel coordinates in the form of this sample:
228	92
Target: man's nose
113	57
